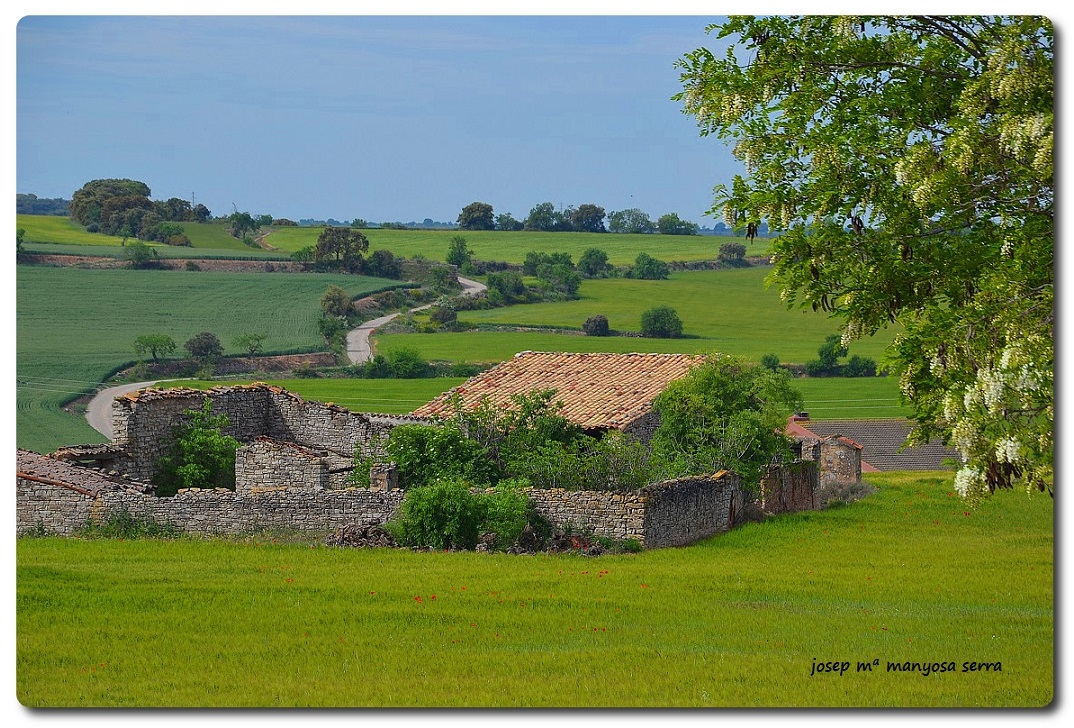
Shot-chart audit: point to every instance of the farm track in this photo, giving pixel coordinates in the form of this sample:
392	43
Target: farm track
359	349
99	410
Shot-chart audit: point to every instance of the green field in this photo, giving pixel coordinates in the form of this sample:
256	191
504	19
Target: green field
908	574
45	230
75	327
385	396
727	311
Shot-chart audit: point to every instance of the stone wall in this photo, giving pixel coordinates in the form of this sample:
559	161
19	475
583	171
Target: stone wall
790	487
680	512
144	422
62	497
838	459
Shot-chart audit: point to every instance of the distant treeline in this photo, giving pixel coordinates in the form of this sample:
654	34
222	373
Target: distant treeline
34	205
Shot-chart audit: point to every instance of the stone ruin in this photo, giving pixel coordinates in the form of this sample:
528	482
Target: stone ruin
292	473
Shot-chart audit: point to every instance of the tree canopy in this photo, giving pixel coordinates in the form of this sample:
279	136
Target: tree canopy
907	164
477	216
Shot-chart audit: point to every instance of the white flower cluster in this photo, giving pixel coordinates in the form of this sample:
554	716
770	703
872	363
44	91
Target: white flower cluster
1008	450
733	106
1022	136
969	481
964	437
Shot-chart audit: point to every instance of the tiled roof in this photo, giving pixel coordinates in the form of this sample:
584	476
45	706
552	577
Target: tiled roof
881	441
597	390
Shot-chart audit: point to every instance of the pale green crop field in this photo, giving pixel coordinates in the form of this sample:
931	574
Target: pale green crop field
725	311
75	327
512	247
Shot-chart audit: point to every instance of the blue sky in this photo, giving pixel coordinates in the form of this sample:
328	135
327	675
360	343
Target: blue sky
384	118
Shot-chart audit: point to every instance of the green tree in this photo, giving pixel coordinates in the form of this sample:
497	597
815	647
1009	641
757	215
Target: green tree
156	345
458	253
661	322
542	217
336	302
477	216
593	263
671	224
341	247
632	220
588	219
507	222
648	268
20	235
242	224
106	197
205	346
726	414
202	456
907	162
252	344
139	255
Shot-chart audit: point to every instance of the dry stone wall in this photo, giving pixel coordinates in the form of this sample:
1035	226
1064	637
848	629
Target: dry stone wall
790	488
61	498
145	422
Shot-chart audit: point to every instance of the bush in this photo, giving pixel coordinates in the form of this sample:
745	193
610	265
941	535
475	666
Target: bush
732	254
406	363
507	512
123	525
204	346
661	322
425	454
649	268
596	326
202	456
859	366
444	316
441	515
770	361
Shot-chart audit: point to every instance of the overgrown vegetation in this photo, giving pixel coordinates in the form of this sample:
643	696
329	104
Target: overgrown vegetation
202	456
125	526
726	414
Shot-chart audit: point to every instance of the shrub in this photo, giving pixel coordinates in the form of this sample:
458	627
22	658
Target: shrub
732	254
859	366
593	263
121	524
444	315
770	361
202	456
661	322
204	346
406	363
596	326
425	454
441	515
646	267
507	512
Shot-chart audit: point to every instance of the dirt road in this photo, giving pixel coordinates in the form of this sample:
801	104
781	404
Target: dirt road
358	347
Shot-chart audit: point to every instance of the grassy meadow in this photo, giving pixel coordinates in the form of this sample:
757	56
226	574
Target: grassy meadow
383	396
909	574
75	327
44	232
728	311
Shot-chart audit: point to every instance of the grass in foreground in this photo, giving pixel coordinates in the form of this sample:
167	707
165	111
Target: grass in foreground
909	574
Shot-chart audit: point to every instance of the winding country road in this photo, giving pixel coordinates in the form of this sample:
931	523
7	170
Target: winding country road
358	347
99	411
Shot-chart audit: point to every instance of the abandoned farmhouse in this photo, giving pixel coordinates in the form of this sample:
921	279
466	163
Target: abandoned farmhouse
296	457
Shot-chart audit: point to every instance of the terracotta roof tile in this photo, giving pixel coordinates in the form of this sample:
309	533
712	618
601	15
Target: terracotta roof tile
597	390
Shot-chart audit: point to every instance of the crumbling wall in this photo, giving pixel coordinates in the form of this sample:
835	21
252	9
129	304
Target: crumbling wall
790	487
682	511
145	422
